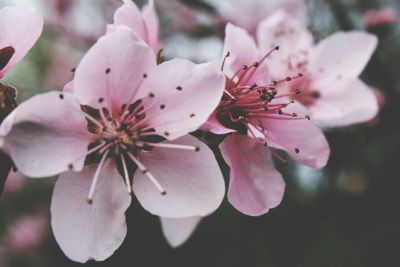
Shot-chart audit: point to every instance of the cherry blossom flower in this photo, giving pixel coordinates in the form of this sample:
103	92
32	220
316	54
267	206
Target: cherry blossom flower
26	233
378	17
259	118
21	27
145	25
14	182
126	116
247	14
331	89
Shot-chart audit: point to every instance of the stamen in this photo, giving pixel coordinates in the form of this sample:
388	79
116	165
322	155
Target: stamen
96	178
173	146
224	60
147	173
126	175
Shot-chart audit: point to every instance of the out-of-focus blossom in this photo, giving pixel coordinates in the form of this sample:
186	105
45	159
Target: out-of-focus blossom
63	59
143	22
81	21
330	89
376	17
21	26
26	233
248	14
195	49
258	115
182	17
135	116
14	183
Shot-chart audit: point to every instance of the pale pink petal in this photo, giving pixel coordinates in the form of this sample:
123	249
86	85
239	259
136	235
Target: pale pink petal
90	231
255	185
249	13
355	103
46	134
214	126
241	47
300	138
14	182
342	55
69	87
20	27
294	41
129	15
113	70
184	96
178	231
151	24
192	180
144	23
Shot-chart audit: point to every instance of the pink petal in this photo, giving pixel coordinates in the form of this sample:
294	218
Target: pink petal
249	13
355	103
178	231
85	231
151	24
301	139
192	180
45	134
340	56
69	87
241	47
21	26
293	39
113	70
144	23
214	126
185	94
255	185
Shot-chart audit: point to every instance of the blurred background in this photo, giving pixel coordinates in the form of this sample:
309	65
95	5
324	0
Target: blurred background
346	215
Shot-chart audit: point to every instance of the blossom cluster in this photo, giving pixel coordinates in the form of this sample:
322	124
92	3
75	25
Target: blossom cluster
132	126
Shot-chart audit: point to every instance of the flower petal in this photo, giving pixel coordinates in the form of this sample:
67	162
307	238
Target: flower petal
113	70
129	15
45	134
21	26
185	94
249	13
293	39
341	55
95	231
300	138
255	185
241	47
214	126
355	103
151	24
178	231
192	180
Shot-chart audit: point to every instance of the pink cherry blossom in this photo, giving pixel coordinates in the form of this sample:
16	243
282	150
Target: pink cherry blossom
331	88
124	113
14	182
21	26
26	233
255	113
247	14
384	16
143	22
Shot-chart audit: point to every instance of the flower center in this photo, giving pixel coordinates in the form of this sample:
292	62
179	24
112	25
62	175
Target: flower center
123	136
245	106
